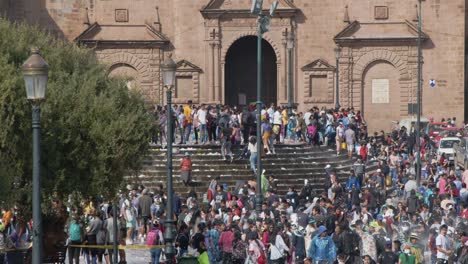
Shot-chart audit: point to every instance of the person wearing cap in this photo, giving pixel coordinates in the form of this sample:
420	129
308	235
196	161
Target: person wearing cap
406	257
155	237
415	248
310	232
186	169
322	249
388	256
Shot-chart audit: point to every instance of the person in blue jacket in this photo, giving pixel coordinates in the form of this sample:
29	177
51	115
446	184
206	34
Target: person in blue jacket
322	249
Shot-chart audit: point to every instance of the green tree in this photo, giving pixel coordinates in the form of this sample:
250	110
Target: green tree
93	129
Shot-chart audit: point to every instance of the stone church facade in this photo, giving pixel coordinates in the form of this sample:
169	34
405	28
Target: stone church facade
214	45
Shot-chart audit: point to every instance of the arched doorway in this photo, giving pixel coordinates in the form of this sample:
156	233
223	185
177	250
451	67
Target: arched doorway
241	72
381	96
127	72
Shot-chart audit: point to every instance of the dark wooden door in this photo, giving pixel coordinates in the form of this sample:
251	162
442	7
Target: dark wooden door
241	72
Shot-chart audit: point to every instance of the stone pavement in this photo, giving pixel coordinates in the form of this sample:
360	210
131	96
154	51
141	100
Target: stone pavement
134	256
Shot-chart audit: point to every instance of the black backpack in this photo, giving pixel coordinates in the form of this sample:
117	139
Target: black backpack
351	242
247	118
224	121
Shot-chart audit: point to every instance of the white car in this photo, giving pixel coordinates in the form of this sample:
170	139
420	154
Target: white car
446	145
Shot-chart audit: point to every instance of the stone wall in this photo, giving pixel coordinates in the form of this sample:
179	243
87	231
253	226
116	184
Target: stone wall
205	41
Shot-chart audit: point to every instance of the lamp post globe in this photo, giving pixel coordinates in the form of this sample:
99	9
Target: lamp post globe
35	72
337	57
168	69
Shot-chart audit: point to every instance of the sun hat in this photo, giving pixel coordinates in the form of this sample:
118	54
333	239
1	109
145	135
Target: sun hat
321	230
414	235
186	154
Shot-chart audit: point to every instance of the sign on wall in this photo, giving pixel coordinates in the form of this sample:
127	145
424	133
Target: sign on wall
380	91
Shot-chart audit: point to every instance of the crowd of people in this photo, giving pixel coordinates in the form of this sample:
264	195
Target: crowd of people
380	216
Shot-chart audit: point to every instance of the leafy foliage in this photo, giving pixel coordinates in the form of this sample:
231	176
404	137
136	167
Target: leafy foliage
93	129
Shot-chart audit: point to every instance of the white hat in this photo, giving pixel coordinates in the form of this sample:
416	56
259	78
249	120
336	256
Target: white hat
379	170
236	218
328	166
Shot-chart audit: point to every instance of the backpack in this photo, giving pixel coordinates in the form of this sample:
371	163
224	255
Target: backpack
75	232
224	121
101	237
351	243
247	118
153	238
262	258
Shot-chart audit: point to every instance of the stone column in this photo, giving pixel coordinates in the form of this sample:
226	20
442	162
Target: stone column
216	71
211	75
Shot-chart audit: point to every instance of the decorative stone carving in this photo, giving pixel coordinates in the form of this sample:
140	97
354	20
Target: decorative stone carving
381	12
188	84
318	82
121	15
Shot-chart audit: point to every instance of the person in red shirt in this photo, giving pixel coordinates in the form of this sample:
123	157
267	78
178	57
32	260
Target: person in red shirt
363	151
186	169
464	210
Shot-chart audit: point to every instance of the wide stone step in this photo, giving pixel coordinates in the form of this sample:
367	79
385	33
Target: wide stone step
268	158
195	151
289	164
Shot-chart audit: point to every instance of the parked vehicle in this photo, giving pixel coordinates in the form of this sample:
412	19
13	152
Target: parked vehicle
411	123
461	153
446	145
446	132
434	128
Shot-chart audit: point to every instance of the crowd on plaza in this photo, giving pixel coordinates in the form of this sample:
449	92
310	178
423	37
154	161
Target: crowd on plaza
380	216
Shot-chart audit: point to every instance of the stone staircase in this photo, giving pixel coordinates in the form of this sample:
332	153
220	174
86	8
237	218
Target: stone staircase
291	165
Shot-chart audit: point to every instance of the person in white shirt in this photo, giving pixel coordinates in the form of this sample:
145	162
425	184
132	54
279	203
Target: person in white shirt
307	116
340	133
278	249
253	153
271	112
202	124
444	245
277	123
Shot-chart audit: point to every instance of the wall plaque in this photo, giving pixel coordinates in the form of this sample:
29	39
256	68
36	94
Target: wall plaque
121	15
381	12
380	91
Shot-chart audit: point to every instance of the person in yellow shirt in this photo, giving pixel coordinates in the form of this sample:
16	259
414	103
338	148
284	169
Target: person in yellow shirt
189	120
284	119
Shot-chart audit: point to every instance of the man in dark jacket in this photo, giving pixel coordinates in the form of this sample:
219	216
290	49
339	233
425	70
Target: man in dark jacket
144	210
412	203
298	242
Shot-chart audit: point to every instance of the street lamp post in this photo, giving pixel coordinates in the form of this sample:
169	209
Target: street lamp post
337	56
35	71
168	70
290	46
263	27
418	118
